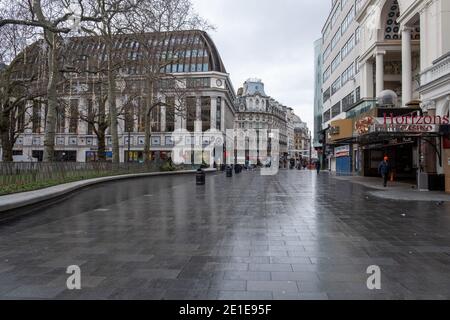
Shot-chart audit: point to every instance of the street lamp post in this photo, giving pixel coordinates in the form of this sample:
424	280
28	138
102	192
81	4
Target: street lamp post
310	149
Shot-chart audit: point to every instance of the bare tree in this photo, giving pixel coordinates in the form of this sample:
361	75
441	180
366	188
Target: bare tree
163	18
112	18
54	18
15	111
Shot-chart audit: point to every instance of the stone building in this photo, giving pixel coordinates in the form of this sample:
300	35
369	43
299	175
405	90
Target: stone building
401	86
256	110
192	85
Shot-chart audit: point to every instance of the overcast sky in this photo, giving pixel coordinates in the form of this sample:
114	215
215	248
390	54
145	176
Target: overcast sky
271	40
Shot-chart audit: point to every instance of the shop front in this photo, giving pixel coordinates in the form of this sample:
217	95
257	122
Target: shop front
343	159
340	136
400	134
92	156
402	154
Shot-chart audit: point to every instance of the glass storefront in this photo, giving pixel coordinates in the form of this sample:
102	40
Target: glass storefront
92	156
401	158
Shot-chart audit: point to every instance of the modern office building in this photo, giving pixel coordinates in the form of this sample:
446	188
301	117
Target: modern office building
319	133
193	86
341	78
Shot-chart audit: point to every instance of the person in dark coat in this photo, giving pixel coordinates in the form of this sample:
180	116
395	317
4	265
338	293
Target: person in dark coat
318	166
383	169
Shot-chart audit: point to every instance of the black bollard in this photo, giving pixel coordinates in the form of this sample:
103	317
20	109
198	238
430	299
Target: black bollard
200	177
229	171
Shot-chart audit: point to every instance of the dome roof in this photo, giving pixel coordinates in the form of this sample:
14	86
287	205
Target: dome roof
387	98
254	86
180	51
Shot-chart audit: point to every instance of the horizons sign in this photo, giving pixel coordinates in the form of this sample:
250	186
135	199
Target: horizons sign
408	123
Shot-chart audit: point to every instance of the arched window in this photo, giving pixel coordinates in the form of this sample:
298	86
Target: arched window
391	26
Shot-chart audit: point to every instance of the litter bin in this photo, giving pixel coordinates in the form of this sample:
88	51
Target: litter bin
436	182
229	172
200	177
237	169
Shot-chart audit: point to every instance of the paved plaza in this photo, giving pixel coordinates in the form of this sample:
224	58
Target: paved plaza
291	236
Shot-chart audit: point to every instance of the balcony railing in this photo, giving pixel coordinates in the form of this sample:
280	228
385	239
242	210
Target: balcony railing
440	68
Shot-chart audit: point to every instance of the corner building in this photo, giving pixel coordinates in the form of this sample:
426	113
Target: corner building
193	85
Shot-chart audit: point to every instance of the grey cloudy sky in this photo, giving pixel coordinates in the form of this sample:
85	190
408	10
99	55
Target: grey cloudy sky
271	40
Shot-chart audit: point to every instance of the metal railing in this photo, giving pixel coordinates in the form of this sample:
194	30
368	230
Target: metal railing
35	175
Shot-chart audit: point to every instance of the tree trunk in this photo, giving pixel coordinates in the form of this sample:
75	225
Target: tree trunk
50	122
101	145
112	105
148	118
101	131
7	146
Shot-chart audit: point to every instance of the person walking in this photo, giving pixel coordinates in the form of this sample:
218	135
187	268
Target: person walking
384	169
318	166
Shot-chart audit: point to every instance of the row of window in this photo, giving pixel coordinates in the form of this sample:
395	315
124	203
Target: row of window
336	62
195	67
348	47
346	22
198	83
184	54
133	115
170	68
252	125
257	117
133	44
342	54
336	39
342	106
346	76
165	55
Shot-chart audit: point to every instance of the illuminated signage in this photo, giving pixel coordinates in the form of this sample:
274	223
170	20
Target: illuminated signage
414	120
406	123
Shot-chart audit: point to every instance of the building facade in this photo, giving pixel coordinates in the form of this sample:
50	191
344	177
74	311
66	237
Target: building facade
291	119
303	149
192	89
402	80
341	78
256	110
318	104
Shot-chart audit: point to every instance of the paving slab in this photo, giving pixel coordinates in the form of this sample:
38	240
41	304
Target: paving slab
294	235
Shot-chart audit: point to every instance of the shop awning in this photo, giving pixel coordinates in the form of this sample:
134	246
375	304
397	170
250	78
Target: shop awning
382	136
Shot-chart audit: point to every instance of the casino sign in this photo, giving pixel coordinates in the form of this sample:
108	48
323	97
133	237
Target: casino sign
405	123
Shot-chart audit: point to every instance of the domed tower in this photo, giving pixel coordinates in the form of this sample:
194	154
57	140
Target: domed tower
387	98
254	86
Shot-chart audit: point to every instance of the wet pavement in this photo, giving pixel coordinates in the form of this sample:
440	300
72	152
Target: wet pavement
290	236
